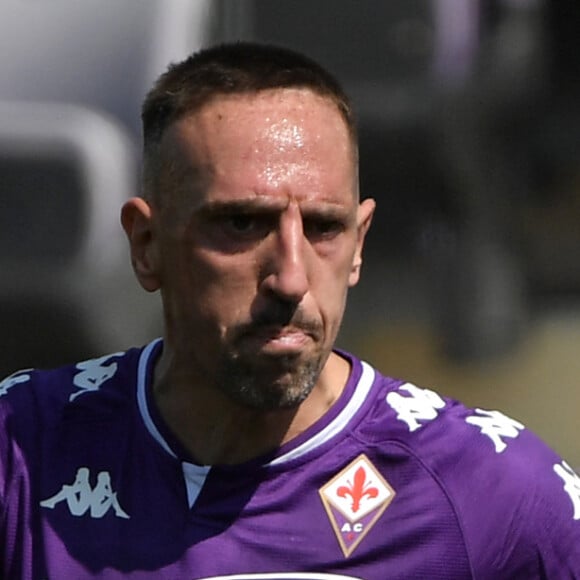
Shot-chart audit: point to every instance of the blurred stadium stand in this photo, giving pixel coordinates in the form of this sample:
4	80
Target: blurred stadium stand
65	172
469	117
73	75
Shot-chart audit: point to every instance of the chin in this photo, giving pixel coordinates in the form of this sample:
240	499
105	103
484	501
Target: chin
272	397
269	383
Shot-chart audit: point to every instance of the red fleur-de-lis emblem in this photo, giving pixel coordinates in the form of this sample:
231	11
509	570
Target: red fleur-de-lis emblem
354	500
358	489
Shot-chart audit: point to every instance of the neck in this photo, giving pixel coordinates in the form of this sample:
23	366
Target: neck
216	430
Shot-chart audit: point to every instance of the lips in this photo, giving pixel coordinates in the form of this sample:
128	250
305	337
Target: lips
275	339
282	336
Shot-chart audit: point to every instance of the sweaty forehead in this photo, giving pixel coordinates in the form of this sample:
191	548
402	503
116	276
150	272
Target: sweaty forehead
279	120
275	128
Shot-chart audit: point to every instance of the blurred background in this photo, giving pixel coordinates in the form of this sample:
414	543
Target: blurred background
469	114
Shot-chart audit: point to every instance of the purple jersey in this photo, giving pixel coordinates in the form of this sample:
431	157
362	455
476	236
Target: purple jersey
394	482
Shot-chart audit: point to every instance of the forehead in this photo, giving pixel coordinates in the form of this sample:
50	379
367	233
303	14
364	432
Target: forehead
272	142
276	109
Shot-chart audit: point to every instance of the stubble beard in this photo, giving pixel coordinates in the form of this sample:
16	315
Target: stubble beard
276	383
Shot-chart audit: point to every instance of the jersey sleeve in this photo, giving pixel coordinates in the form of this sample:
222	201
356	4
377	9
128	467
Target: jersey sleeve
516	501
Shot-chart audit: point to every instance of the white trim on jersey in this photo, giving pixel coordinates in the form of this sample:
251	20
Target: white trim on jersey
195	476
142	396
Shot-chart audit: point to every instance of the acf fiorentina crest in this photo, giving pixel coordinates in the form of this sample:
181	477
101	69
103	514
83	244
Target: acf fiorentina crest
354	500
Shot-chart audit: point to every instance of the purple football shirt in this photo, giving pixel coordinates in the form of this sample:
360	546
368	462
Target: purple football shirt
394	482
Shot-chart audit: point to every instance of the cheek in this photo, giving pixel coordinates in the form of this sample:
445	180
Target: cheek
330	285
336	266
221	286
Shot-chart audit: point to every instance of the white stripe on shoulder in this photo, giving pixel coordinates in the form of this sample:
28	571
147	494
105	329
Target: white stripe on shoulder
142	396
340	421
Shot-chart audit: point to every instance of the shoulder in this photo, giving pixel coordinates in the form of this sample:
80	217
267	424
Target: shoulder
35	398
516	500
44	411
440	430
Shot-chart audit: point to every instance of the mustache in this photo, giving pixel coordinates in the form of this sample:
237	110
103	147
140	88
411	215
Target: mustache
280	314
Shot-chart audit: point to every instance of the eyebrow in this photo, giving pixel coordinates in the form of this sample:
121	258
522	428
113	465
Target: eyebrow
268	205
219	207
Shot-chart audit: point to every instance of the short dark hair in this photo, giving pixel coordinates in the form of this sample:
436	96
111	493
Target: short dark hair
227	69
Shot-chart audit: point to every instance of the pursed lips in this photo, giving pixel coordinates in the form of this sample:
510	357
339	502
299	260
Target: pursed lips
291	337
288	334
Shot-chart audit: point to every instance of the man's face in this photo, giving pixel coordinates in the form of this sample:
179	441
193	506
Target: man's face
257	241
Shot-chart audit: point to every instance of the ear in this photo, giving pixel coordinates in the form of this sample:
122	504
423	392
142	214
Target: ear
364	218
136	219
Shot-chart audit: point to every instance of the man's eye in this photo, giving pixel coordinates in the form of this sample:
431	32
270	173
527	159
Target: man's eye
246	227
242	224
322	229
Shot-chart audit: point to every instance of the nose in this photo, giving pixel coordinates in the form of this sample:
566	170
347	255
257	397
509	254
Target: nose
287	275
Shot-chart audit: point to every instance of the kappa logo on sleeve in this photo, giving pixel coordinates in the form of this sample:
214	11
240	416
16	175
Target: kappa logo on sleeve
496	425
81	497
14	379
354	500
571	485
419	405
93	373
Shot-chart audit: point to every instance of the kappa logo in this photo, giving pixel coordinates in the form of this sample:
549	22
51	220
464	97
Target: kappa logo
81	498
496	425
420	405
571	485
93	373
14	379
354	500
